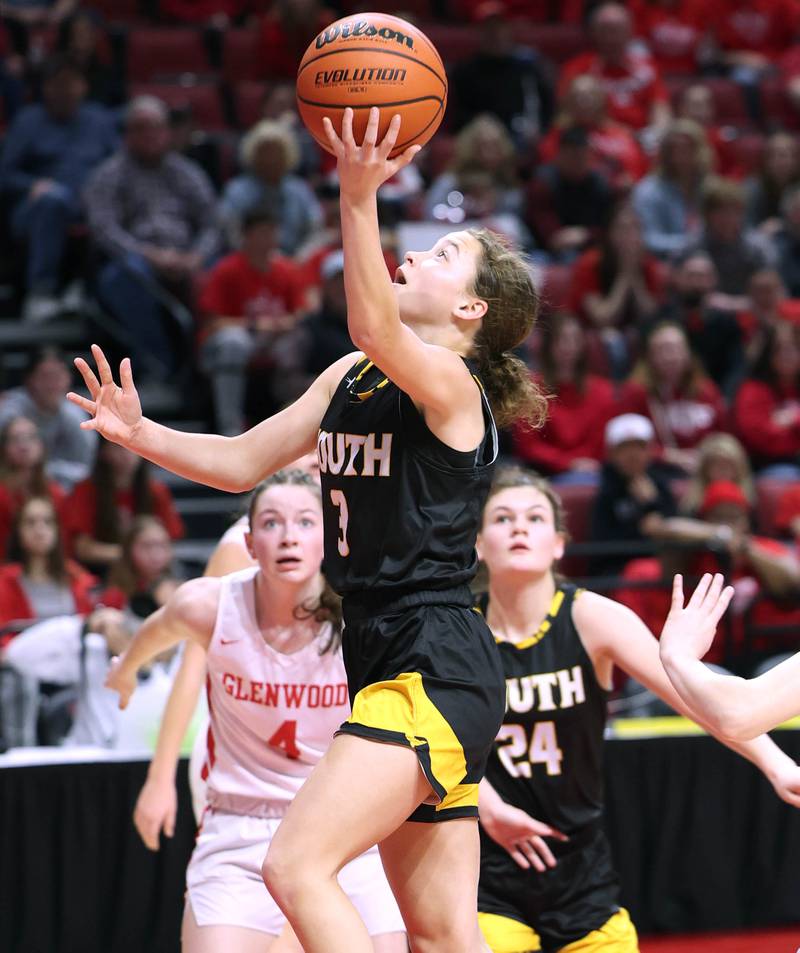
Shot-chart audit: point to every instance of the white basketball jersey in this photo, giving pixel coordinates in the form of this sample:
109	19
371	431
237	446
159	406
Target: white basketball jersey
273	715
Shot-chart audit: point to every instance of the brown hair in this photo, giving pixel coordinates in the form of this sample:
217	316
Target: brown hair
643	371
123	573
328	608
466	160
107	526
717	445
37	485
693	131
551	329
719	192
56	561
503	280
511	477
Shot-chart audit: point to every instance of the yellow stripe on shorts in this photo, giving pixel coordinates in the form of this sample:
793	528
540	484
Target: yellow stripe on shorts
401	705
506	935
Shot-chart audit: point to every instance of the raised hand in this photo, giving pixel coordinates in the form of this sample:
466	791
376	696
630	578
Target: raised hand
363	168
691	629
115	411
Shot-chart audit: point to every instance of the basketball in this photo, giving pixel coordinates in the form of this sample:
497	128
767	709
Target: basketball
372	59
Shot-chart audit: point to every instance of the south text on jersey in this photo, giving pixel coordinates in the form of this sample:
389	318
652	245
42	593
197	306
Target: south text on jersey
546	691
354	454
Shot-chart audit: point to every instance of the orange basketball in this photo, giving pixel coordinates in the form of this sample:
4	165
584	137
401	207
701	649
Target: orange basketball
372	59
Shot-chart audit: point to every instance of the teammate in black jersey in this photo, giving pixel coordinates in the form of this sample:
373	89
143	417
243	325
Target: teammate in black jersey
406	443
547	881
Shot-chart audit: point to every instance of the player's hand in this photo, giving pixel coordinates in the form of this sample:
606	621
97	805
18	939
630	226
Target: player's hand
363	168
115	411
155	811
691	629
522	836
120	680
786	782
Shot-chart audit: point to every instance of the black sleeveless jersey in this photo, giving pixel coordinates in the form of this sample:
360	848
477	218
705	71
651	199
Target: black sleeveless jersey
548	756
401	508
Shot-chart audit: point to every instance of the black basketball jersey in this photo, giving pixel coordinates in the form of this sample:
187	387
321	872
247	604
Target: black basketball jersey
548	756
401	508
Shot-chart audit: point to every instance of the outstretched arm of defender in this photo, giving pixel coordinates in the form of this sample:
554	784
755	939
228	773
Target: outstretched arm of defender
190	613
228	463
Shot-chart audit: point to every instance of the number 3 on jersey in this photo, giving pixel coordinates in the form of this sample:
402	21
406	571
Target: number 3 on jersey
512	748
338	500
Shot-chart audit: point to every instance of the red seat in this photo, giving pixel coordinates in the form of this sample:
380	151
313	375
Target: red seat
203	100
248	98
778	109
578	500
156	54
748	151
240	56
117	11
418	9
559	42
768	494
729	103
454	42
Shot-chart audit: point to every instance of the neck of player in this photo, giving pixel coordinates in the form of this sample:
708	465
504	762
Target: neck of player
518	605
278	605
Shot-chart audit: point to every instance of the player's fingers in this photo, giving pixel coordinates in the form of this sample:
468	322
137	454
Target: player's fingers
88	376
169	823
389	140
518	857
84	403
677	593
791	798
526	848
543	851
333	138
90	424
371	133
103	367
700	592
399	162
722	604
347	129
545	830
126	375
713	594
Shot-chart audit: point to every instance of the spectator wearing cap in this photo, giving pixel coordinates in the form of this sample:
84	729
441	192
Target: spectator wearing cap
70	450
668	200
737	253
669	386
49	151
720	456
711	327
634	498
766	412
637	96
152	216
249	299
502	78
614	151
569	446
568	202
269	153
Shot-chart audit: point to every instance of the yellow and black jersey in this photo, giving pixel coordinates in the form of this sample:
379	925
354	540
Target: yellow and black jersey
401	508
548	757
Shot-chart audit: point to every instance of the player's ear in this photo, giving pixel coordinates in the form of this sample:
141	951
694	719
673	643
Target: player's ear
471	308
248	542
479	546
560	545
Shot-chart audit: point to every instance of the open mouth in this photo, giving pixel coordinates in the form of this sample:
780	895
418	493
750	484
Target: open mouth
289	562
520	548
399	277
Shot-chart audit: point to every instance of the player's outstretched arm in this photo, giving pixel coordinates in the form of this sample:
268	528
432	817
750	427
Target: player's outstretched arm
611	630
189	613
227	463
434	377
741	709
157	804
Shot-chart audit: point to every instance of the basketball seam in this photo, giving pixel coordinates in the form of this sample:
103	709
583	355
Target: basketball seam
400	102
376	49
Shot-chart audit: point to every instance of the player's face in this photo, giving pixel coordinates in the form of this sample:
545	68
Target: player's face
432	286
286	533
518	538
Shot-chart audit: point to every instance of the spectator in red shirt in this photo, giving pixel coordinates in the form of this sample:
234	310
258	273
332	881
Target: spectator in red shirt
766	413
38	582
617	287
250	298
22	473
614	150
99	510
697	103
767	306
569	446
670	387
285	32
673	31
780	170
637	96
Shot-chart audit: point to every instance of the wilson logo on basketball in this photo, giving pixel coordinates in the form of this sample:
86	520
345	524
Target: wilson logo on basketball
362	28
327	77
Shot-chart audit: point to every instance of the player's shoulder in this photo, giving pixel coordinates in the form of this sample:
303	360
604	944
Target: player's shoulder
332	376
195	602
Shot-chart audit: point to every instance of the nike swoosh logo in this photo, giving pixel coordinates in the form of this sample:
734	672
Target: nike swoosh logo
228	641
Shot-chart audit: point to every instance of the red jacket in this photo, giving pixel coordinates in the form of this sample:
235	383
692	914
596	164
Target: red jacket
575	427
753	413
14	603
679	421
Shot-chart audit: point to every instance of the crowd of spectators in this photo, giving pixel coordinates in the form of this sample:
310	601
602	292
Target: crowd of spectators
644	154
